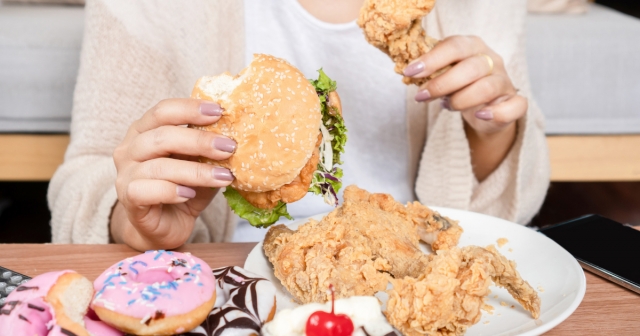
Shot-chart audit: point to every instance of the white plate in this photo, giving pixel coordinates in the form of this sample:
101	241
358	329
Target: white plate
544	264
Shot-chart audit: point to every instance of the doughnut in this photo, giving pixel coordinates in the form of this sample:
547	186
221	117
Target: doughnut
55	300
155	293
244	304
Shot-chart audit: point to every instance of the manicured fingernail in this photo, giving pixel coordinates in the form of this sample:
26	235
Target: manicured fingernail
185	192
446	103
423	95
222	174
484	115
224	144
211	109
413	69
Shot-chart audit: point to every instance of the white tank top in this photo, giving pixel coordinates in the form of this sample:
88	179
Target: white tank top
372	94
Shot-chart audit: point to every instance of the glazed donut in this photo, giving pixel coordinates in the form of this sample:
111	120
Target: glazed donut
155	293
244	304
55	300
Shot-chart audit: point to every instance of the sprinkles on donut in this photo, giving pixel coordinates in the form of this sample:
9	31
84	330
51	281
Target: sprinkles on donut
158	292
50	304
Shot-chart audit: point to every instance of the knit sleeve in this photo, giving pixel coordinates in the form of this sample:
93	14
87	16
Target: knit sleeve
516	189
120	78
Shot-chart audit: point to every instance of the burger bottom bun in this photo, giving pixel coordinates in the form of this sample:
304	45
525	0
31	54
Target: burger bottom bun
288	193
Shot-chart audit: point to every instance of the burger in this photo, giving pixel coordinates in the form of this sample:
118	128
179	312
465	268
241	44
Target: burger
289	133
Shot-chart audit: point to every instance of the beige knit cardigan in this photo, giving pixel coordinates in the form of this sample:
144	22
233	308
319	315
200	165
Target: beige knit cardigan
136	53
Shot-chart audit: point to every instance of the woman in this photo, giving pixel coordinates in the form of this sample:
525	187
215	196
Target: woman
138	57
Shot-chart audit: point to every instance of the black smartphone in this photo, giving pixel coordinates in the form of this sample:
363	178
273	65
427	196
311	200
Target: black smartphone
602	246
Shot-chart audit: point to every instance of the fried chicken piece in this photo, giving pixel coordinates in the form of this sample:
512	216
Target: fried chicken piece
447	298
275	237
312	258
395	27
288	193
438	231
357	247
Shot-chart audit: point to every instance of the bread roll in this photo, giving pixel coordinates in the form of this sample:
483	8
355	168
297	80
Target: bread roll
273	113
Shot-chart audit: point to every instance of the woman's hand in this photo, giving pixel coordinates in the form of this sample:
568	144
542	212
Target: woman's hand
161	188
477	85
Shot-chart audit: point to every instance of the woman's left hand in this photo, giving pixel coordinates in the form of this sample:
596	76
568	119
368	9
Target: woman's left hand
477	84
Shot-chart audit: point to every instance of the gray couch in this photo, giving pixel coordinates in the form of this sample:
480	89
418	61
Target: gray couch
39	57
584	69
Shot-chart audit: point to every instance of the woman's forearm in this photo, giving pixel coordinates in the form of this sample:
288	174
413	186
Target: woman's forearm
488	150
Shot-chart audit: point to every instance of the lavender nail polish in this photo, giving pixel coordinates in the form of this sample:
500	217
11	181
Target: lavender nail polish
211	109
413	69
185	192
484	114
423	95
224	144
446	103
222	174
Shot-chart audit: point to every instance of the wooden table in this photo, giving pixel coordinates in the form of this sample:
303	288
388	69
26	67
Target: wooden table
607	309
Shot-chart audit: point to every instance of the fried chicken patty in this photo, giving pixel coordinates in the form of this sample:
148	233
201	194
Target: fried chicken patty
290	192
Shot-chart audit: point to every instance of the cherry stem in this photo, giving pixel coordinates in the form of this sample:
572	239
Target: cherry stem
333	299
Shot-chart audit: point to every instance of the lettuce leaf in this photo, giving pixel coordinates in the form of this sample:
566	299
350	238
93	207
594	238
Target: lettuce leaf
327	180
323	83
257	217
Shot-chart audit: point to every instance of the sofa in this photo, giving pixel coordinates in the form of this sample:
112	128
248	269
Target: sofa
584	73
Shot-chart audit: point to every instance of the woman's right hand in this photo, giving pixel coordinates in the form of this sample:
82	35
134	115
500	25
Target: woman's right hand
161	187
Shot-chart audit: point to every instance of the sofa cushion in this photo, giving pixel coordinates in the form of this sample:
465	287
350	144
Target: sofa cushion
585	72
39	59
557	6
50	2
583	69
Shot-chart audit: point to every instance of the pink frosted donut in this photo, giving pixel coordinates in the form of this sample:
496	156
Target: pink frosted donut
28	317
155	293
98	328
28	301
49	304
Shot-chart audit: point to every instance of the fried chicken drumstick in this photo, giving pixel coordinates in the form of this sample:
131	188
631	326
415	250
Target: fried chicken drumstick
447	297
358	247
395	27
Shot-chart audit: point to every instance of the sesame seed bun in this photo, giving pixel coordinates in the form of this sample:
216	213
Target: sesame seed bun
273	113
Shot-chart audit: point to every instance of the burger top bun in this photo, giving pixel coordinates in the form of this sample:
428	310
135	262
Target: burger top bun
273	113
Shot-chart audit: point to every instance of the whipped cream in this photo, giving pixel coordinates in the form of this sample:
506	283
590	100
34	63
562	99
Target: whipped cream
364	312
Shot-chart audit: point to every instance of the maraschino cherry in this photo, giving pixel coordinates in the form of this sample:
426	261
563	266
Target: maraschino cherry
322	323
